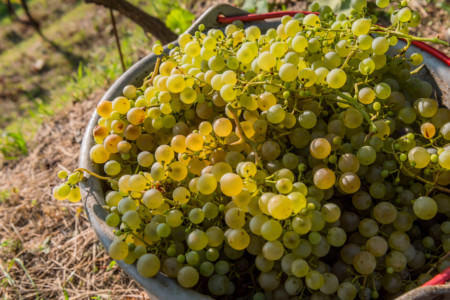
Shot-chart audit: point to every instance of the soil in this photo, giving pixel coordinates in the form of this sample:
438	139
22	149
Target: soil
60	252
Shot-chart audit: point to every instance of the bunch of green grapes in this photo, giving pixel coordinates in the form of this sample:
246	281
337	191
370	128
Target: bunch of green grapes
300	161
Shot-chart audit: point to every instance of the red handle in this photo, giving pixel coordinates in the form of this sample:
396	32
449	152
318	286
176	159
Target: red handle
440	278
278	14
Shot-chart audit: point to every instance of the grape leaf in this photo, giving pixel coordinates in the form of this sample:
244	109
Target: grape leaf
179	20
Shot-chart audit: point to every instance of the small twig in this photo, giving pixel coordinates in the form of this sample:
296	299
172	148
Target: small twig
113	20
243	138
17	260
417	70
410	174
92	173
155	71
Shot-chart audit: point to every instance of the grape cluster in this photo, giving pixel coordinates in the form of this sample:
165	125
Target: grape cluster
303	161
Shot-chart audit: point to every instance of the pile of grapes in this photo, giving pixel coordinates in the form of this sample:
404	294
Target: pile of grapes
299	162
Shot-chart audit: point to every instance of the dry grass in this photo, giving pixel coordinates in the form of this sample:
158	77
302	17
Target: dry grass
58	248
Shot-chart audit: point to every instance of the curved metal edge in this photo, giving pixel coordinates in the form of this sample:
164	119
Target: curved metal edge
162	287
427	293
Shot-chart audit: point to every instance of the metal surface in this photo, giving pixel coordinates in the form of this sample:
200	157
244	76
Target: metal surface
161	287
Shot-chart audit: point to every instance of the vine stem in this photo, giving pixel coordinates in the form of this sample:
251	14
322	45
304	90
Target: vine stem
155	71
348	58
92	173
409	37
358	106
410	174
243	136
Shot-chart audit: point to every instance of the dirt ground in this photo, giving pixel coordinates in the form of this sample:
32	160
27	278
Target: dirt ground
61	256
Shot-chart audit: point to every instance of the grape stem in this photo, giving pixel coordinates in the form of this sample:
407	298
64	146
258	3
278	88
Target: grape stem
417	70
243	137
155	72
409	37
348	58
358	106
410	174
92	173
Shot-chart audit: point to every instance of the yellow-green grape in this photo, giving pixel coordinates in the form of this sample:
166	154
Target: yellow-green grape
280	207
121	105
110	143
416	59
229	77
271	230
118	250
242	199
192	49
131	219
153	199
367	66
228	92
292	27
148	265
188	276
178	143
312	20
215	236
205	128
98	154
137	182
235	217
288	72
245	55
145	159
207	184
336	78
266	100
324	178
365	41
123	183
425	208
238	239
164	153
136	116
299	43
56	194
188	95
361	26
157	49
366	95
307	77
419	157
194	141
129	91
231	184
177	171
181	195
444	159
314	280
222	127
380	45
104	109
320	148
175	83
298	201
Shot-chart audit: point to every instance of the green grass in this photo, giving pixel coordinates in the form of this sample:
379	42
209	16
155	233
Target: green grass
67	83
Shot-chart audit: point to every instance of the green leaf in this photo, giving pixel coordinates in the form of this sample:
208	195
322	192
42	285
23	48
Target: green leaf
179	20
262	6
249	5
338	6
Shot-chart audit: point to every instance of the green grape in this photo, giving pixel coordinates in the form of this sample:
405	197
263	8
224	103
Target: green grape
361	26
419	156
118	250
300	268
425	208
314	280
197	240
336	78
366	155
380	45
207	184
271	230
276	114
188	276
196	215
238	239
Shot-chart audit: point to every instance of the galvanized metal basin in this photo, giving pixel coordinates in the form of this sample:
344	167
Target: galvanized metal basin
161	287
